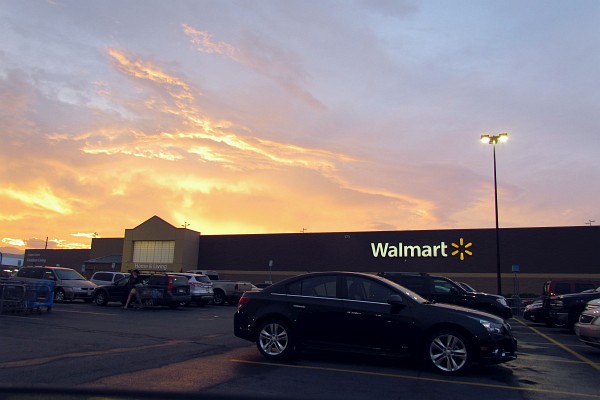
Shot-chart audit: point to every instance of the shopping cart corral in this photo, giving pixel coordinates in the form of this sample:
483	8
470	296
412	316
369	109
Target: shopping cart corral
26	297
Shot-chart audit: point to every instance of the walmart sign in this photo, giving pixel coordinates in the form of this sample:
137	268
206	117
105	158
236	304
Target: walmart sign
401	250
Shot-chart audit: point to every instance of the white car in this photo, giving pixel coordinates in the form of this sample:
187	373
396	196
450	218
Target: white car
107	277
587	328
201	287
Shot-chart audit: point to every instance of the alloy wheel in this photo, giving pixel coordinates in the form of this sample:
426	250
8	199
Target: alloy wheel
448	353
273	339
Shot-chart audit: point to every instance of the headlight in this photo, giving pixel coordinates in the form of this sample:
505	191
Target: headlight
502	301
592	306
491	327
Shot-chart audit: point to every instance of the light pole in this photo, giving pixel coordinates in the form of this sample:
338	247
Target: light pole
493	140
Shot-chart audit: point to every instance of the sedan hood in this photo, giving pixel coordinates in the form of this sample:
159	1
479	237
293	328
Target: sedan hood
468	312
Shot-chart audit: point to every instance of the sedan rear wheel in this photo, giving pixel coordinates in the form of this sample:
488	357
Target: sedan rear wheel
275	340
448	352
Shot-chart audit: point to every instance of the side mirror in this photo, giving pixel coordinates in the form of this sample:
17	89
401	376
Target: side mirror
396	302
454	291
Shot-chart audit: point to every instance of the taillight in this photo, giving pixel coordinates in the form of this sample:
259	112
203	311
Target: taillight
170	285
243	300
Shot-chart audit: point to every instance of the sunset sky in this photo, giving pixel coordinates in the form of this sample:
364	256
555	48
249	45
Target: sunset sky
277	116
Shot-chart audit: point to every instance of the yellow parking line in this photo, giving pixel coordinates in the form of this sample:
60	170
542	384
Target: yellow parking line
418	378
562	346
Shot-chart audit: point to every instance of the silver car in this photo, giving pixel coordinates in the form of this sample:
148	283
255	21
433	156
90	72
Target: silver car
587	328
201	287
69	284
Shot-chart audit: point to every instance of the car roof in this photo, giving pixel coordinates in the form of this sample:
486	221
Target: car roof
186	273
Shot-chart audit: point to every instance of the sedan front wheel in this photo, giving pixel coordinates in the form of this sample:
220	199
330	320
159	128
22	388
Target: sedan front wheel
101	299
275	340
448	352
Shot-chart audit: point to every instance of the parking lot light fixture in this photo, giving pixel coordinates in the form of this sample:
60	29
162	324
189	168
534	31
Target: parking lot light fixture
493	140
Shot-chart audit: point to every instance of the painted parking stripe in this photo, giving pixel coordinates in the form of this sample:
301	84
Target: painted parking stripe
562	346
569	395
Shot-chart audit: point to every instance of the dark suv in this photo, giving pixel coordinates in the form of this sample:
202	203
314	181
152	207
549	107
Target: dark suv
157	290
444	290
564	310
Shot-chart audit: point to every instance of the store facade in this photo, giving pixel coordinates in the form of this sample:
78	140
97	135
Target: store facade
529	256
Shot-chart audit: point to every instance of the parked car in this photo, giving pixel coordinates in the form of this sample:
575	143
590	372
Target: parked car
225	291
6	273
158	290
444	290
68	283
201	288
564	310
534	311
362	313
587	328
107	277
557	287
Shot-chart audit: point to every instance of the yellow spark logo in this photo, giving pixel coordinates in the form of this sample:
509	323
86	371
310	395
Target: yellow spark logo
461	249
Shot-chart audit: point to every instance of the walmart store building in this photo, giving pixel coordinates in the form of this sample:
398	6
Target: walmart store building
529	256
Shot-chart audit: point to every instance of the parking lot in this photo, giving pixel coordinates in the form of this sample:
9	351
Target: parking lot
192	352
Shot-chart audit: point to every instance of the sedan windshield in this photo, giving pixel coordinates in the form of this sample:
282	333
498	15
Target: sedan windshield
68	275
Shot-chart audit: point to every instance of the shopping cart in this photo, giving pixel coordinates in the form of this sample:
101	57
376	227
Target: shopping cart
38	295
25	297
12	297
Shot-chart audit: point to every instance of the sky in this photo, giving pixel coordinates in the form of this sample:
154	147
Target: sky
281	116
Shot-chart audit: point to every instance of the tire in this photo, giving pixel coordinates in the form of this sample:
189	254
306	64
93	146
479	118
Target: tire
219	297
448	352
101	299
59	295
275	340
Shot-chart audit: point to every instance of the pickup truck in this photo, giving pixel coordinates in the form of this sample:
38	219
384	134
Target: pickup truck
564	310
226	291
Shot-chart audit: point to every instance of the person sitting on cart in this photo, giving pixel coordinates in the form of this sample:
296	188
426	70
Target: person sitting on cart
135	281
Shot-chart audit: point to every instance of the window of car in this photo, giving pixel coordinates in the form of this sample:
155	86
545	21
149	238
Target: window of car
202	278
102	276
179	280
443	286
45	274
367	290
316	286
69	275
414	283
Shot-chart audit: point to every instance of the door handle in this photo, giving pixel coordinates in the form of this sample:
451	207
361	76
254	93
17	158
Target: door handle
298	306
353	312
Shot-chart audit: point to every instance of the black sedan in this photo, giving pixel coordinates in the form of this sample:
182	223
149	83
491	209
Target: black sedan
363	313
